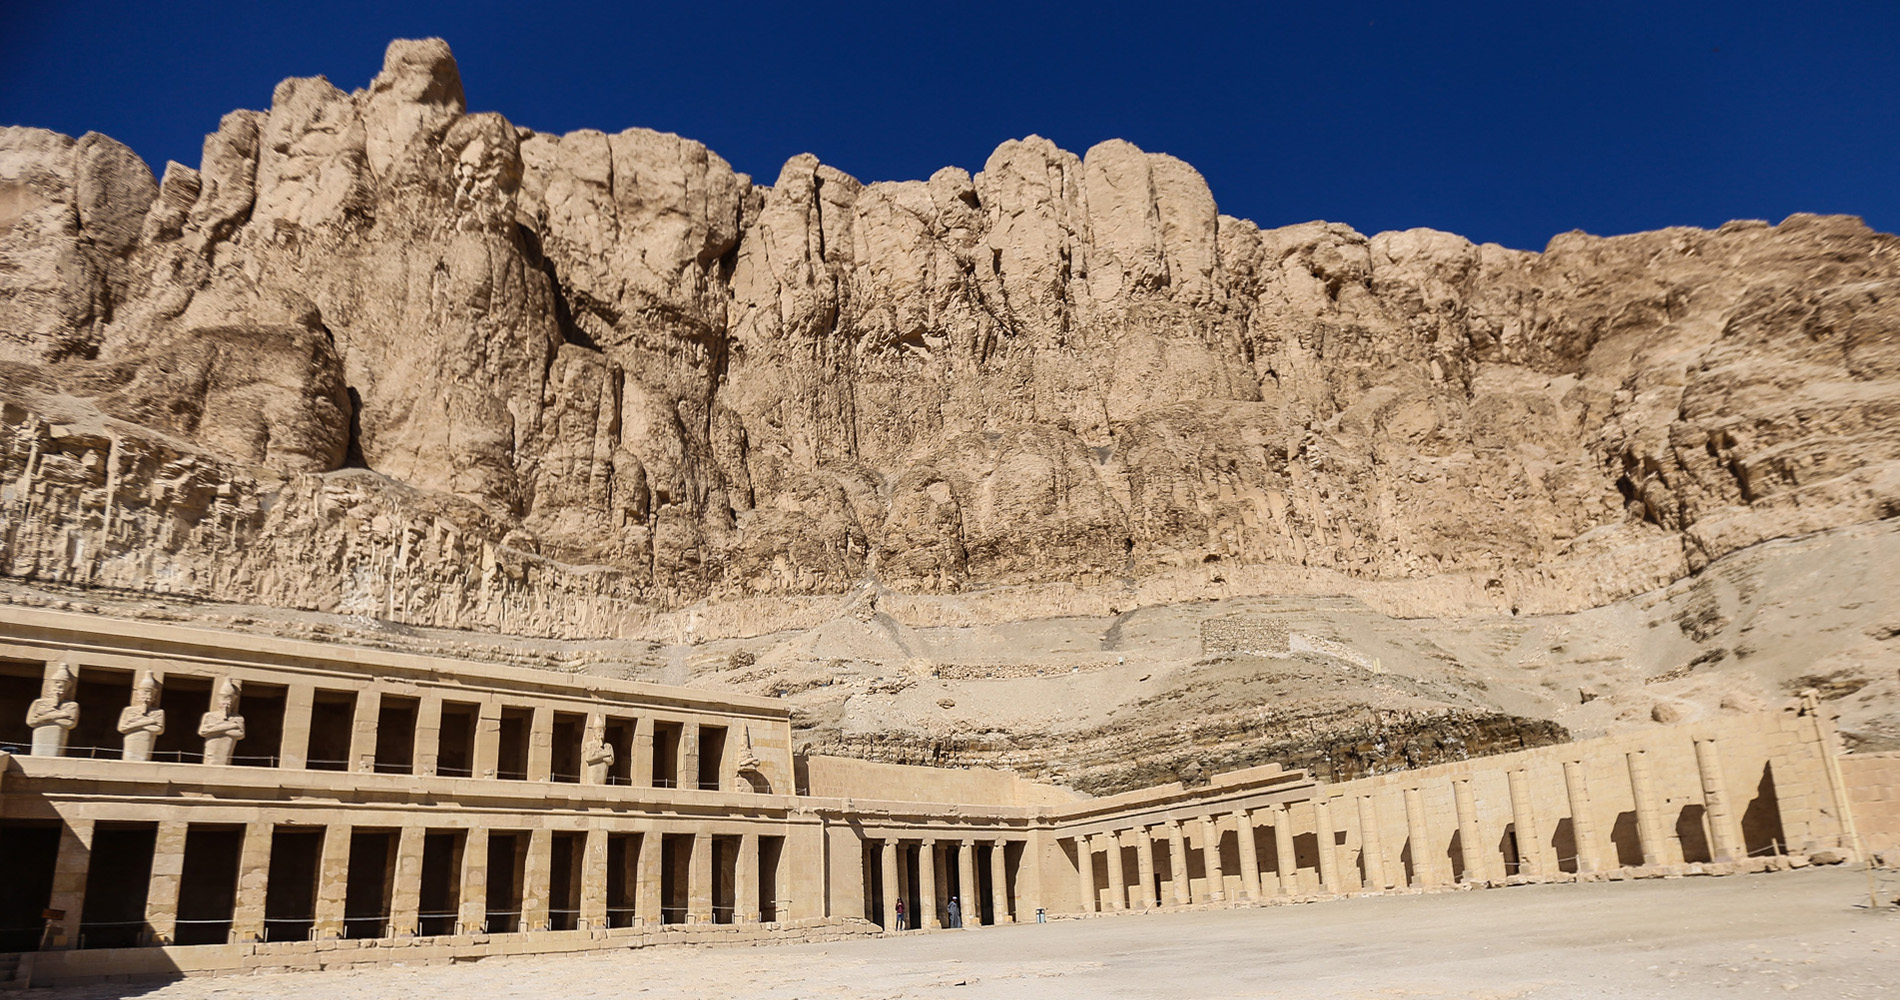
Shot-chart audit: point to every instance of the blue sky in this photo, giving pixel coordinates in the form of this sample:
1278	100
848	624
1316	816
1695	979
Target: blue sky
1503	122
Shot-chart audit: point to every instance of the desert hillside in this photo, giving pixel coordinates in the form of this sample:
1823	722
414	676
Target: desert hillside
1050	466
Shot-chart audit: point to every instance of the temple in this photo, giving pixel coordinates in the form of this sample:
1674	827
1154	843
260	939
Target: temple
183	800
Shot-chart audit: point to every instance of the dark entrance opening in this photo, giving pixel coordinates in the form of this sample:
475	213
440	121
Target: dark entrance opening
185	701
290	896
366	893
507	851
871	852
712	757
771	849
31	849
262	706
676	851
332	721
396	734
512	762
666	754
441	886
1692	833
117	878
566	758
101	694
455	754
981	908
565	856
619	735
19	685
623	880
207	889
725	895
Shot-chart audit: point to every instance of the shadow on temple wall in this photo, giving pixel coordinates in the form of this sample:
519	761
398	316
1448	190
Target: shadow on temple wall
1563	842
1761	820
1627	839
1455	855
1693	834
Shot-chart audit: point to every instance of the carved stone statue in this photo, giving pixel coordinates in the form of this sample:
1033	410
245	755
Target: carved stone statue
748	766
53	714
222	727
597	755
140	723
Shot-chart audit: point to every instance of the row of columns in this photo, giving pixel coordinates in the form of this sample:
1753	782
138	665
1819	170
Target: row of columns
54	715
1381	872
405	901
938	855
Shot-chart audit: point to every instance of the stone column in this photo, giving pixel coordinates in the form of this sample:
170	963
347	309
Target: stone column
333	882
999	881
537	878
428	744
688	776
969	894
472	914
299	702
594	881
1648	821
1145	866
1287	861
488	740
168	873
1117	872
70	866
369	703
253	883
52	717
405	890
746	908
1583	828
1530	847
541	744
1424	872
887	866
649	908
1725	837
1371	845
1210	854
1085	874
1469	850
699	881
641	772
1177	864
1249	855
926	915
1327	838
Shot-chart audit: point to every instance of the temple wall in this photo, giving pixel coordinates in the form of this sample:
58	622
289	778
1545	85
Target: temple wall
1873	786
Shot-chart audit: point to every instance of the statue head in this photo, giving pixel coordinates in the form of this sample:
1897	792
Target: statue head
59	683
146	691
228	692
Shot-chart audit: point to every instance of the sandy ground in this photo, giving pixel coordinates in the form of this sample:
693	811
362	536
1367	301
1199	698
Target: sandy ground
1804	933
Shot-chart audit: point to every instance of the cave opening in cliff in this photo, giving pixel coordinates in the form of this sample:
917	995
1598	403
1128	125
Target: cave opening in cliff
332	724
455	741
290	891
184	700
440	898
396	734
569	729
207	886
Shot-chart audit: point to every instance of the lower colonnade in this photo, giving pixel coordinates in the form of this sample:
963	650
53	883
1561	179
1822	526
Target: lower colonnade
182	800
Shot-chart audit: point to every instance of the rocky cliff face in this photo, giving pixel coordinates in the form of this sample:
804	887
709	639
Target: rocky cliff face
380	355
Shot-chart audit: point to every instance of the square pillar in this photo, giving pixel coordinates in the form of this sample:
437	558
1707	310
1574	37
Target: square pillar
428	747
541	744
927	862
745	900
1371	845
1424	872
1285	860
594	881
999	882
405	889
641	771
1249	858
472	913
1724	835
369	702
1177	864
1649	828
247	908
1145	866
969	895
70	866
1117	877
168	873
1327	839
1470	852
887	867
536	880
1583	828
647	908
688	776
299	701
487	740
1530	842
333	881
699	905
1085	873
1210	854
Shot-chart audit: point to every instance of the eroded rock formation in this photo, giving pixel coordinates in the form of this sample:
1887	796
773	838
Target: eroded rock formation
377	354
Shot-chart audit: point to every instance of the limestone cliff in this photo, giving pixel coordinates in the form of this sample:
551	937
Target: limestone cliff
379	355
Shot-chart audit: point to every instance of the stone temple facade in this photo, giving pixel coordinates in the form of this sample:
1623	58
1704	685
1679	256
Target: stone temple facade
176	799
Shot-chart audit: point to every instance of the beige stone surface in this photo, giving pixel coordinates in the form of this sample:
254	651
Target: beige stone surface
1634	939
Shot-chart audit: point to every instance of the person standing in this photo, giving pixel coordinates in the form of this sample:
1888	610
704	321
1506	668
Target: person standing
956	913
900	913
